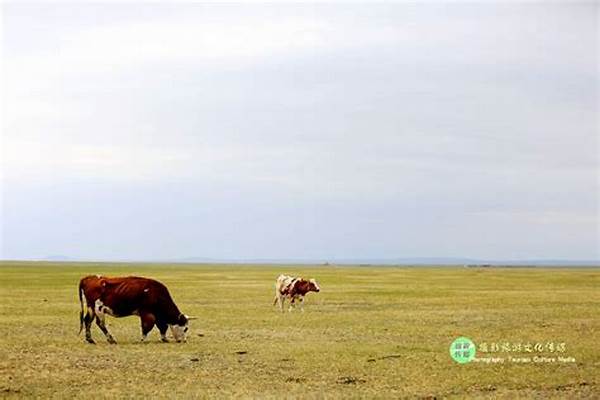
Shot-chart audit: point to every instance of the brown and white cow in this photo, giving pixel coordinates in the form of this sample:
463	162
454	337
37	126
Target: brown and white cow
120	297
294	289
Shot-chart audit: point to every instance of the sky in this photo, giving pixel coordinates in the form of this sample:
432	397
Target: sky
300	131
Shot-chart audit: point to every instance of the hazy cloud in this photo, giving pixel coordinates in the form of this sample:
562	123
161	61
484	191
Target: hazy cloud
141	131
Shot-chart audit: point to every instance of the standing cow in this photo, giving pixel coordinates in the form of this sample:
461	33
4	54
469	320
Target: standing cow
121	297
294	289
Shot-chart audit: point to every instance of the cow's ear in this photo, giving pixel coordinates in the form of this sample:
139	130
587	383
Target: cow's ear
182	320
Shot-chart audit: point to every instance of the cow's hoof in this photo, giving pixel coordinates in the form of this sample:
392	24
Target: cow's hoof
90	341
112	341
164	340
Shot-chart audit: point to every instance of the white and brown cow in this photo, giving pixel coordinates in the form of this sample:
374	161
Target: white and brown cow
120	297
294	289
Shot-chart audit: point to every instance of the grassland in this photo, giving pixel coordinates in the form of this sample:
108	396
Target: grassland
370	333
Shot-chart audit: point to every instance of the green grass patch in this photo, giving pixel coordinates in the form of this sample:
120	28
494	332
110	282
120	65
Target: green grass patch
372	332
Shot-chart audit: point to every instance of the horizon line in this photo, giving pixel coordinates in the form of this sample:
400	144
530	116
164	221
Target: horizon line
466	261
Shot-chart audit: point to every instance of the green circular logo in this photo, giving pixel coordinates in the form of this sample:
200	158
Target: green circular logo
462	350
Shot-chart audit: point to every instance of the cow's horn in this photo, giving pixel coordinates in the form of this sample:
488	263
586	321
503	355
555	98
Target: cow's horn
191	318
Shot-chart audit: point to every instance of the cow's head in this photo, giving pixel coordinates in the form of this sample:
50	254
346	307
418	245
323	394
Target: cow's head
180	329
302	286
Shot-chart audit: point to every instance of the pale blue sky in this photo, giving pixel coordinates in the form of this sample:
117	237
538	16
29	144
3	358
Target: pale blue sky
300	131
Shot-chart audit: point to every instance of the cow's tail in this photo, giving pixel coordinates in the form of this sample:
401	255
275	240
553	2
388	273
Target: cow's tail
81	312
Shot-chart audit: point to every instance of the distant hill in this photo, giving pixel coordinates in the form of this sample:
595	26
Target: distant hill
58	257
442	261
471	261
416	261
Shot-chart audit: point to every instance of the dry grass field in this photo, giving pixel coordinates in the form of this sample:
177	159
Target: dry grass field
372	332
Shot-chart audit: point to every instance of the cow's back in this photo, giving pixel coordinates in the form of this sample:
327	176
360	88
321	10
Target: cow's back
284	282
125	295
91	287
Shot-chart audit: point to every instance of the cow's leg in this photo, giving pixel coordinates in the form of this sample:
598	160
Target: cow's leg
88	319
282	302
101	321
292	304
102	325
162	328
278	299
148	320
301	300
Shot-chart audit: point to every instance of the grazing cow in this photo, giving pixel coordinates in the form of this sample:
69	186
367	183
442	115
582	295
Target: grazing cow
121	297
294	289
